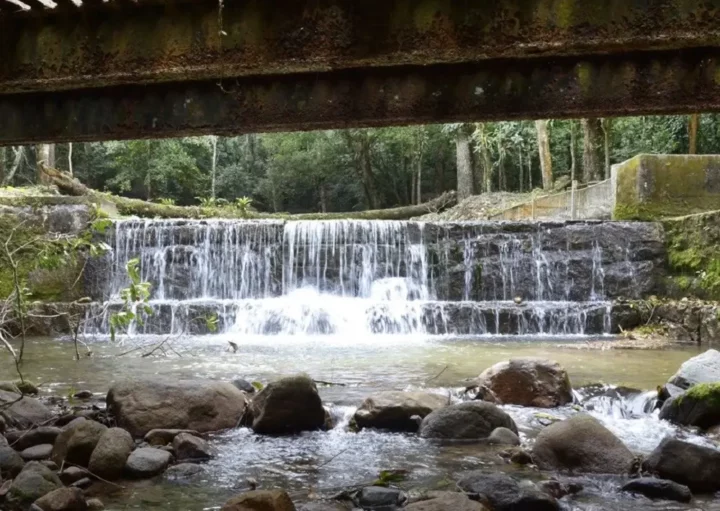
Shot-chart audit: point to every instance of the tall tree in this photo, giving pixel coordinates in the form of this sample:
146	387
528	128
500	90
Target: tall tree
213	165
593	142
543	140
464	162
607	130
693	128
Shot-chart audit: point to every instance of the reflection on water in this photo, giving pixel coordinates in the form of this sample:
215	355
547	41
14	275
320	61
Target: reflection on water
327	462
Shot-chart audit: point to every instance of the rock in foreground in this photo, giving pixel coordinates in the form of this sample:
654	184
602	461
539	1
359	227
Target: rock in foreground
23	413
112	451
63	499
200	405
466	421
396	411
581	444
76	443
287	406
147	462
260	500
704	368
33	482
503	493
528	382
189	447
658	489
694	466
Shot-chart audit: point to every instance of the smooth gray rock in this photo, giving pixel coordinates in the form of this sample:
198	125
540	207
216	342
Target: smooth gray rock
76	443
24	413
165	436
21	440
184	471
581	444
446	501
503	436
63	499
37	452
379	498
244	385
466	421
11	463
189	447
112	451
147	462
704	368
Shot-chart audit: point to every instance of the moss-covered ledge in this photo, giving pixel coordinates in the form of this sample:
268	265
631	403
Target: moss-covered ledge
651	186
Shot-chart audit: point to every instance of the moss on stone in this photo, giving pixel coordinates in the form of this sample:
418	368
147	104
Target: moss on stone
706	392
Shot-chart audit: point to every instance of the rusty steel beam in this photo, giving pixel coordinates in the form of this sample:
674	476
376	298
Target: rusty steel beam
643	83
150	41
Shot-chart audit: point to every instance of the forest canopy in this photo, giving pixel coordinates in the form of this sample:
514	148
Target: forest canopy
356	169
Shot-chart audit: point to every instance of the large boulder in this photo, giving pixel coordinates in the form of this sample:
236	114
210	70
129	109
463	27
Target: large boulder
446	501
528	382
658	489
699	406
63	499
287	406
33	482
472	420
200	405
695	466
581	444
23	413
503	493
260	500
111	453
397	411
704	368
76	443
147	462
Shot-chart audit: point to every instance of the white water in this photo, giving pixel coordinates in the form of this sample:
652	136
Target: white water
360	278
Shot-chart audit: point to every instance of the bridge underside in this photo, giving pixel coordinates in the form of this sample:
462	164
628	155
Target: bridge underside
157	68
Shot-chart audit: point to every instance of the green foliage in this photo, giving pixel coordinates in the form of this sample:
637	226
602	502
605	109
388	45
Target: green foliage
243	205
135	301
258	385
166	201
389	477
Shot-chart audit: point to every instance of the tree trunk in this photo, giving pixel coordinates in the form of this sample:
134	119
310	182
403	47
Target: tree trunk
17	159
368	176
543	139
486	160
593	141
573	149
607	130
521	177
693	128
213	168
464	164
421	153
70	163
44	153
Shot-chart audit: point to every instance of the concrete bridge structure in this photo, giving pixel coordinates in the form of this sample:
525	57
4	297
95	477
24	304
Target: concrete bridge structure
74	70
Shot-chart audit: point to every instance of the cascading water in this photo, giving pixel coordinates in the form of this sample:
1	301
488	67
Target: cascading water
377	277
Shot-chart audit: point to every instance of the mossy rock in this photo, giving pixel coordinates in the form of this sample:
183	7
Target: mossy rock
699	407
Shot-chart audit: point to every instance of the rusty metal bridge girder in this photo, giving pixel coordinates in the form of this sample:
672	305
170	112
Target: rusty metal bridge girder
149	41
680	81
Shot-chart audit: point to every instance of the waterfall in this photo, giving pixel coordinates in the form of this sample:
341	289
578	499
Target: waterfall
375	277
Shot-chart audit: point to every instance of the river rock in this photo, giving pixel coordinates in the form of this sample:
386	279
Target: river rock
327	505
397	411
189	447
504	493
699	406
37	452
184	471
260	500
695	466
377	497
704	368
63	499
287	406
466	421
658	489
34	481
75	444
503	436
244	385
111	453
21	440
147	462
95	505
70	475
446	501
200	405
24	413
11	463
166	436
581	444
528	382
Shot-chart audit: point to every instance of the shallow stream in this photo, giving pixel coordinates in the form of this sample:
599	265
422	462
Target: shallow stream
325	463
